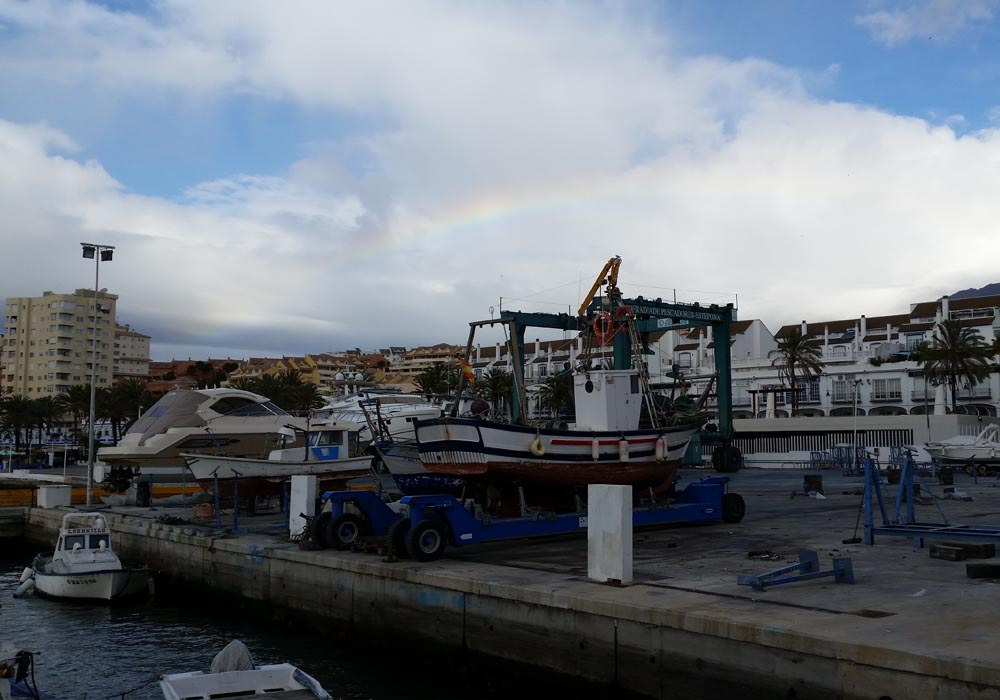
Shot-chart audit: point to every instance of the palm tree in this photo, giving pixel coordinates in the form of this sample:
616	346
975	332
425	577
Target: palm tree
956	352
45	413
797	354
432	381
76	401
556	393
128	399
497	385
17	414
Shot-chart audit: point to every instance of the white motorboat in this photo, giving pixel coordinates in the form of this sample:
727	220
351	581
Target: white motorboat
84	566
983	449
222	421
234	676
391	415
332	454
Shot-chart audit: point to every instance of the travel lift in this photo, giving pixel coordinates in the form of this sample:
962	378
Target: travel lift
427	524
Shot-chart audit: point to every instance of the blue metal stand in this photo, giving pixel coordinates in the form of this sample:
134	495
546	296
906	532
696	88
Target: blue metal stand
807	568
904	524
218	499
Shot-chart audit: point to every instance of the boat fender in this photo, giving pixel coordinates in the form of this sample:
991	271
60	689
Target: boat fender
537	447
623	450
595	449
661	449
26	574
24	588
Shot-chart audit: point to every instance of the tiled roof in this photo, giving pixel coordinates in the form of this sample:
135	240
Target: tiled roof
926	309
844	325
686	346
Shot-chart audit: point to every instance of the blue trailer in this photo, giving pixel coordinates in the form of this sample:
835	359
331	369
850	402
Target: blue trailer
424	526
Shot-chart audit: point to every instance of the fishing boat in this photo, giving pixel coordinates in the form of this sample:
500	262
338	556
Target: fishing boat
401	459
380	416
84	566
964	450
229	422
606	446
233	675
332	454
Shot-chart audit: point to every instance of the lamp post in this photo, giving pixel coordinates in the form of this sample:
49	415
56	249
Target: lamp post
98	253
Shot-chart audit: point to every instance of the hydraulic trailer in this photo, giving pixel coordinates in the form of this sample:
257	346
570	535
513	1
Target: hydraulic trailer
423	526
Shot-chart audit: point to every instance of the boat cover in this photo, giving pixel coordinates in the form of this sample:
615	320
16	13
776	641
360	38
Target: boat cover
234	657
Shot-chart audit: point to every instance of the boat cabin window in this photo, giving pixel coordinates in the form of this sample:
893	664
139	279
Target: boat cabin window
242	406
70	541
327	437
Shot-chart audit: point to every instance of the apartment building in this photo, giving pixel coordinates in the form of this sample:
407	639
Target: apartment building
131	355
49	342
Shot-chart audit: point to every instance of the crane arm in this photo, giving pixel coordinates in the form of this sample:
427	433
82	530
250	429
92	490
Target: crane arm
609	271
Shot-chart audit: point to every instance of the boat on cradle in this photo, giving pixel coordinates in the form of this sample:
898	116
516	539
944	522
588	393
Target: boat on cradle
401	459
225	421
606	446
234	675
83	565
17	677
964	450
332	454
381	416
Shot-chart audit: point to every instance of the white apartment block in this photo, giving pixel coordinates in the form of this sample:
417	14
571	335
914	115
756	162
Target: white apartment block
866	365
131	355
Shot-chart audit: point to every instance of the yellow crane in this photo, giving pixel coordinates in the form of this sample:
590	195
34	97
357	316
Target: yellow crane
608	275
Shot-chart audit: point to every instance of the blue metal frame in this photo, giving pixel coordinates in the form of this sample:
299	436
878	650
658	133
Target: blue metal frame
904	524
808	568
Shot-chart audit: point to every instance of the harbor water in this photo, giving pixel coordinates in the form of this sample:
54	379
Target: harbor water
94	651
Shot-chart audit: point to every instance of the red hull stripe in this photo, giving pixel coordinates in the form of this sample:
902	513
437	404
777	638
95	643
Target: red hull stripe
633	441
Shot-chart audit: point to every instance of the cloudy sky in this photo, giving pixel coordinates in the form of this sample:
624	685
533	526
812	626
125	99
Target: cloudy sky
292	177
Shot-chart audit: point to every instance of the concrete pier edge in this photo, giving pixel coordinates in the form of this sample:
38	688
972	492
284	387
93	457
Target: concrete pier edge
651	639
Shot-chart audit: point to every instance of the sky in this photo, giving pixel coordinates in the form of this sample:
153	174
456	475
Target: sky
284	178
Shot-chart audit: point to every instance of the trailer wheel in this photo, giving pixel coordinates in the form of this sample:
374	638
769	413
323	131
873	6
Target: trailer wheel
727	459
982	470
317	529
396	537
967	469
733	507
426	540
346	530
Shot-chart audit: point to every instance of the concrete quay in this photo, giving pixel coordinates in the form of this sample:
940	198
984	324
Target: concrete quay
911	627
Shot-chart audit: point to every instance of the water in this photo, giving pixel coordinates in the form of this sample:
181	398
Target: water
99	651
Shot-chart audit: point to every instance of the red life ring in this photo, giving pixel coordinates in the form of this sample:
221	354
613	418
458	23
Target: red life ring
623	312
604	327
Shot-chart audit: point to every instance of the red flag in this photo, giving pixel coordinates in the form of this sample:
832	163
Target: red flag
466	369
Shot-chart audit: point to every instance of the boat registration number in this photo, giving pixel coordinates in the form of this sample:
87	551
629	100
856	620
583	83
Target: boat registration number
82	581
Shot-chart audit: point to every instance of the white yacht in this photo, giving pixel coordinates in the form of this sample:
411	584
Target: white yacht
221	421
963	450
391	415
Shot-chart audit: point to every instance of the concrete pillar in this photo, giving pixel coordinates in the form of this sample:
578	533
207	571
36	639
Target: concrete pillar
804	327
302	500
864	327
945	312
940	404
609	533
770	405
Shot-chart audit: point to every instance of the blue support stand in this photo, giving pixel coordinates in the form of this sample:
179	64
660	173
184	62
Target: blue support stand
218	499
903	523
807	568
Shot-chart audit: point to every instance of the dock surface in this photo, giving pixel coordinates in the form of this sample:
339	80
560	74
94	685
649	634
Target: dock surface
910	627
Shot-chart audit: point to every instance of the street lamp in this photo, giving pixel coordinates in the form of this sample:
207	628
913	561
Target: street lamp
98	253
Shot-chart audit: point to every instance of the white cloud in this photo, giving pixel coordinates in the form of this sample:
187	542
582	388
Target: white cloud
510	149
938	20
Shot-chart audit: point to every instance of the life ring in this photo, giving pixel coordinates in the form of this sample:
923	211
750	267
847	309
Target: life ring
604	327
624	312
537	447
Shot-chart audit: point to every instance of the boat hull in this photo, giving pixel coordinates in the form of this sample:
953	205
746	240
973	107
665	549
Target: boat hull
108	585
261	477
402	461
474	449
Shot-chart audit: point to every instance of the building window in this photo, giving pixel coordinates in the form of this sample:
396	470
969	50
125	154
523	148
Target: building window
840	351
842	391
886	390
913	340
684	360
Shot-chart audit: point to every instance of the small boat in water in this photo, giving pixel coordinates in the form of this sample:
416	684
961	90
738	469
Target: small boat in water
234	676
83	565
16	673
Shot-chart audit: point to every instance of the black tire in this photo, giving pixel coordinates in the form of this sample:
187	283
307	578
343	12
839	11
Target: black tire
317	529
982	470
967	469
727	459
426	540
396	537
346	530
733	508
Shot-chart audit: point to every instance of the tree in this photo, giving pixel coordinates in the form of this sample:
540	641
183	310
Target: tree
432	381
956	352
17	414
497	385
128	399
45	413
556	394
797	354
76	401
